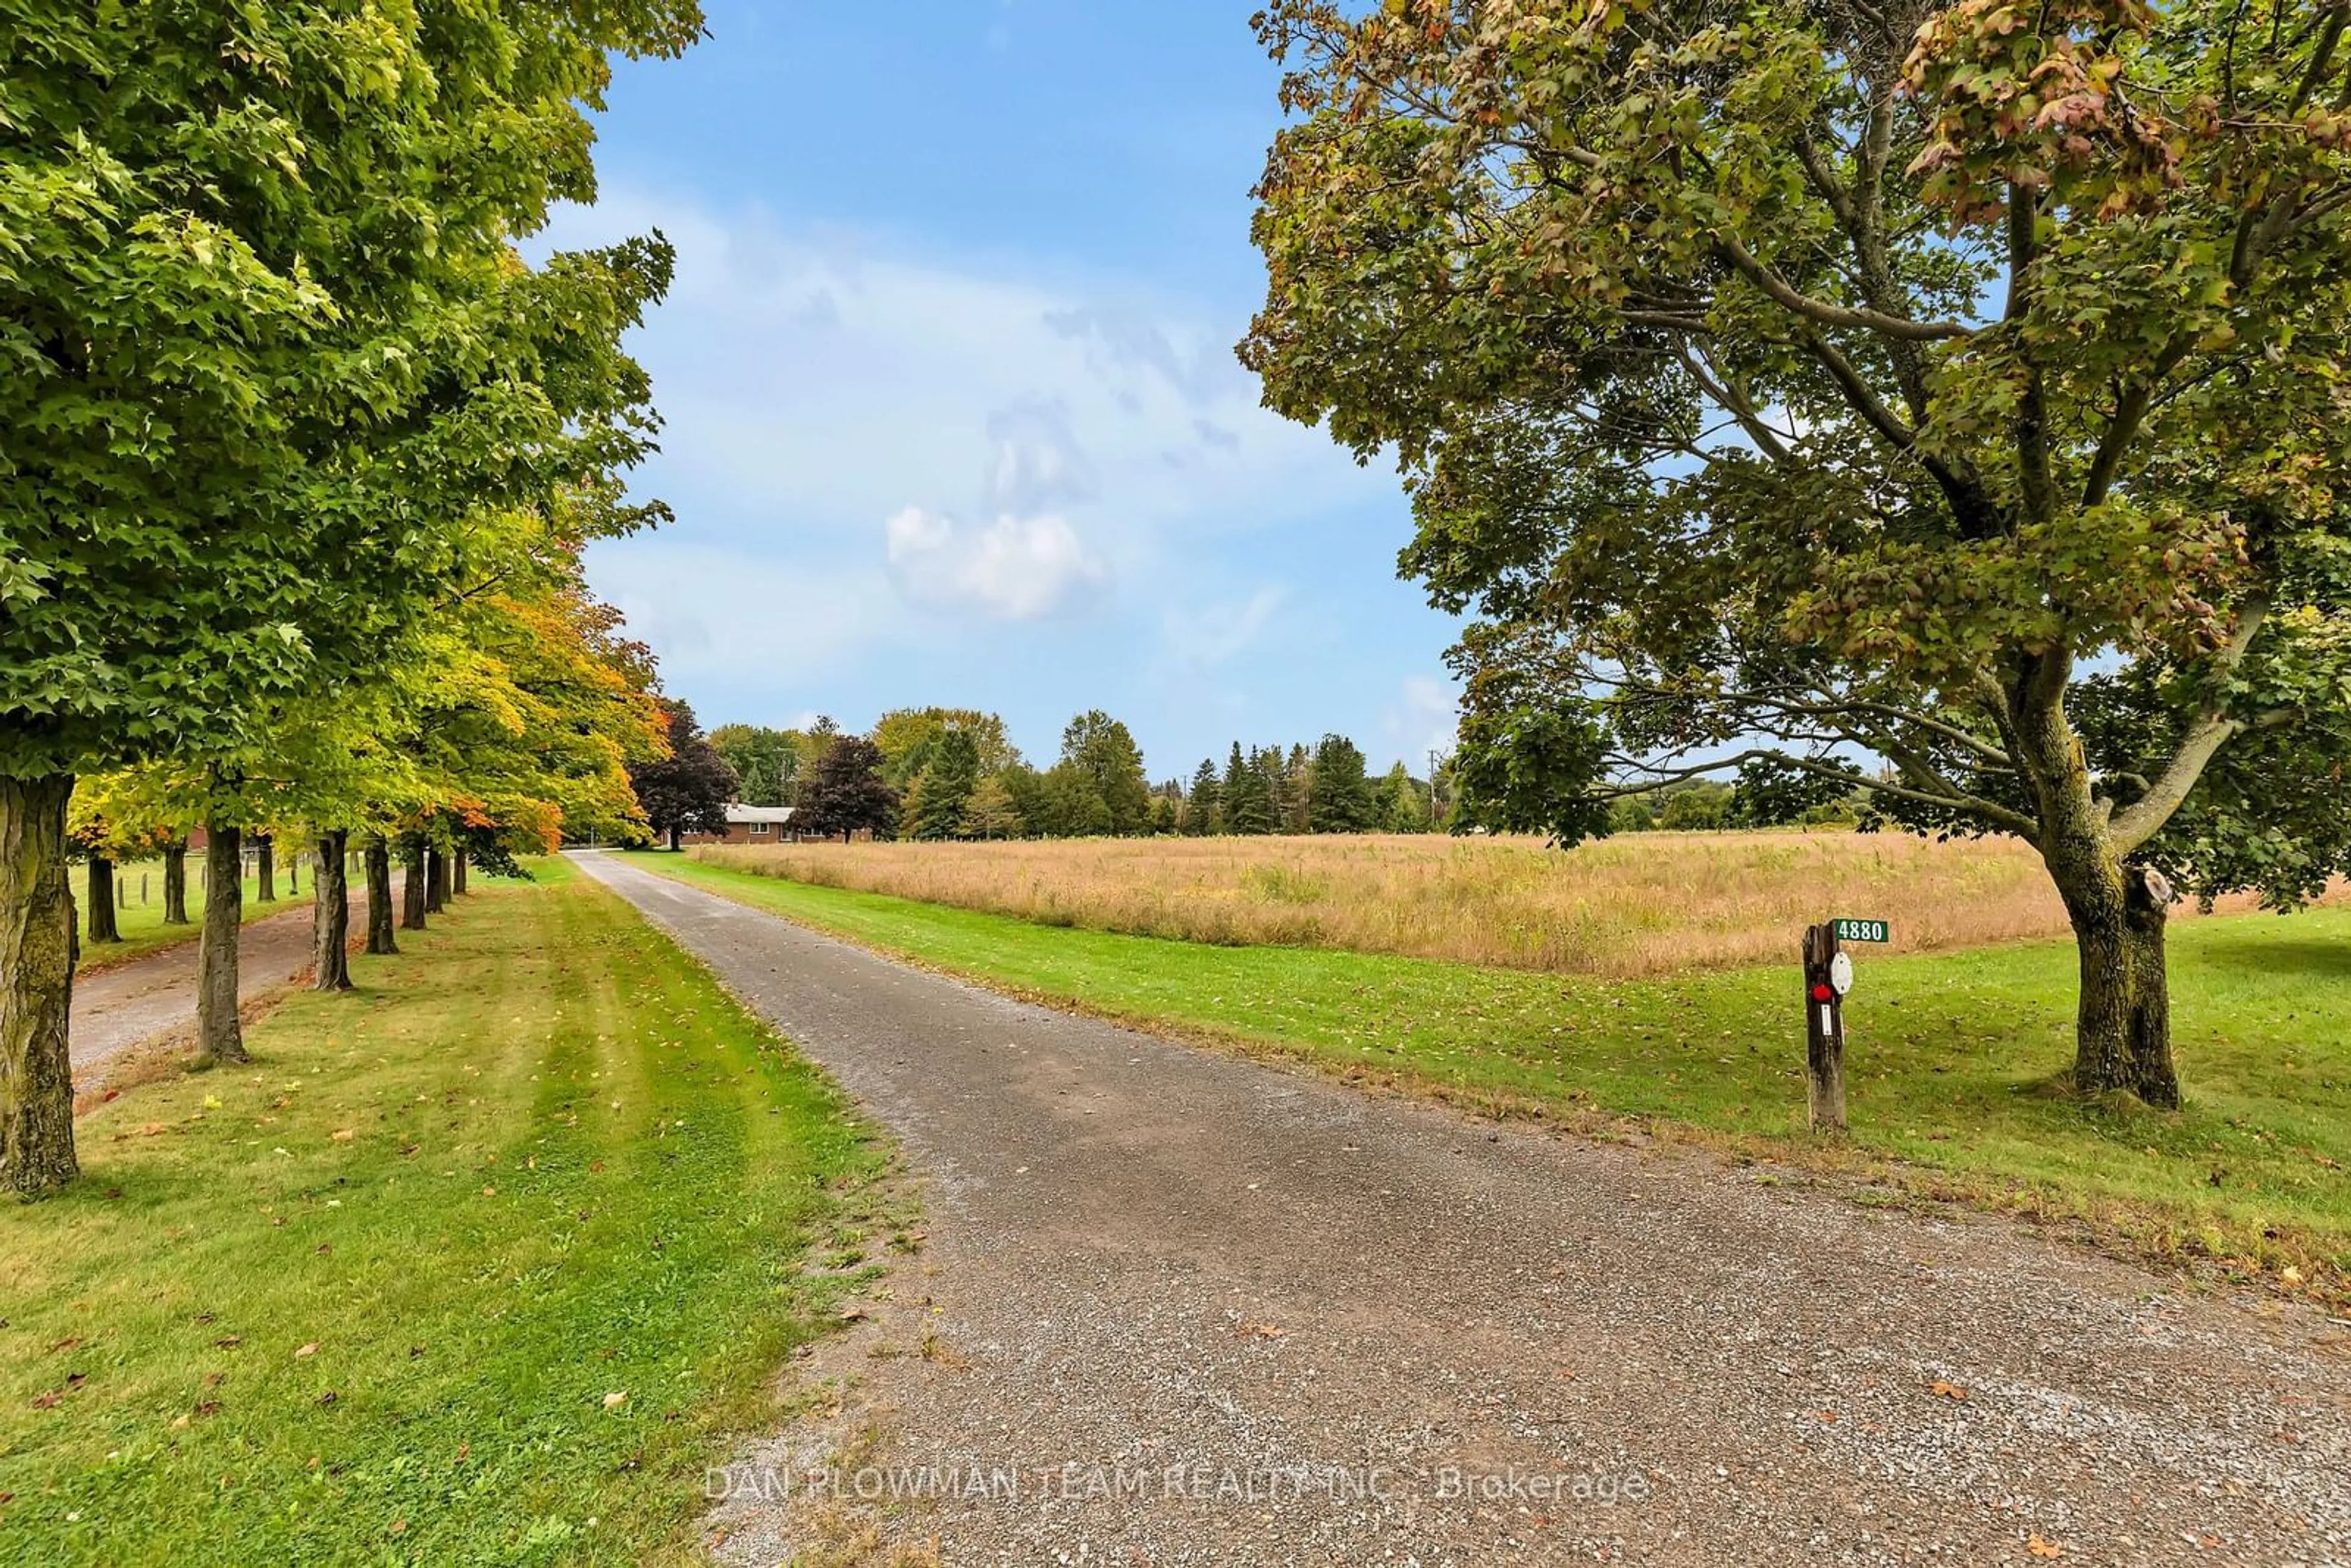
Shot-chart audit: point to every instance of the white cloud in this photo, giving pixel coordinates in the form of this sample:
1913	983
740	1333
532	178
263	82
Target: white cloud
804	372
1039	466
1014	569
1205	638
876	451
1423	717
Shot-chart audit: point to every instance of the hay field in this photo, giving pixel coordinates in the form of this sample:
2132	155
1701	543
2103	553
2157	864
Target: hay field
1645	904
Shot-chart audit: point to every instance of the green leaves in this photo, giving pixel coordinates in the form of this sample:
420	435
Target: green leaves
267	352
1783	384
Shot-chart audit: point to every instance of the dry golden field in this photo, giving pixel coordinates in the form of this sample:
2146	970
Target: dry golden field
1643	903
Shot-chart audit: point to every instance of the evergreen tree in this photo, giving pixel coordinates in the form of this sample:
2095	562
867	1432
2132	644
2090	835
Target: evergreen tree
1200	811
1294	789
1340	799
1397	805
947	786
1247	797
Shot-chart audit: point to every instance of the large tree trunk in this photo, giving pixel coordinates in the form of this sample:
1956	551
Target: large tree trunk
219	1036
458	860
330	916
264	868
2123	1030
673	838
379	885
412	883
175	883
100	902
37	959
2123	1026
436	879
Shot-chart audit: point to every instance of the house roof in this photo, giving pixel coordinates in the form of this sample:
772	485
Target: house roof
748	814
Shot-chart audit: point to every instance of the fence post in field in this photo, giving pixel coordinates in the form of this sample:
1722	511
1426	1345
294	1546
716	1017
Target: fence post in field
1823	1032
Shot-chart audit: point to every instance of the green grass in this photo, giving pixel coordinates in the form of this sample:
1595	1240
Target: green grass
141	923
1951	1057
537	1159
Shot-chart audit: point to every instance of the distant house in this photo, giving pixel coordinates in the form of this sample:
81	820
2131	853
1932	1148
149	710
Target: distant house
748	825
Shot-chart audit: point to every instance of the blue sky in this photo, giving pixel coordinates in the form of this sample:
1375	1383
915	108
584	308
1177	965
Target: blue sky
953	413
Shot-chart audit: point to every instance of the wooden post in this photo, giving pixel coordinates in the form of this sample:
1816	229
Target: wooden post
1824	1033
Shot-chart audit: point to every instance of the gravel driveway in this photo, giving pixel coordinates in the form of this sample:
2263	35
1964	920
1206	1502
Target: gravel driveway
129	1004
1175	1307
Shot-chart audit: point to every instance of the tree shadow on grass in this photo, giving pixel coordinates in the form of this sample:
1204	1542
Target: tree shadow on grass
2312	956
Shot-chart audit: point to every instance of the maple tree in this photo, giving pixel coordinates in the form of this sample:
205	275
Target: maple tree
1943	404
687	788
846	793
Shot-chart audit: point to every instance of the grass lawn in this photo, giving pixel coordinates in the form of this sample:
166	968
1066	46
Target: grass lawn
141	923
1951	1055
371	1299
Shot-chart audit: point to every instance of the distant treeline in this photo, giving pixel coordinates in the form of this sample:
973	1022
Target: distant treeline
951	773
1705	805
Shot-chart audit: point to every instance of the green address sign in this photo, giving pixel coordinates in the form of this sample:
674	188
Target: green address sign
1863	930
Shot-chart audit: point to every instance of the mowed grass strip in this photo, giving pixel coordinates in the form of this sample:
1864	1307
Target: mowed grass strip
140	922
1952	1056
371	1299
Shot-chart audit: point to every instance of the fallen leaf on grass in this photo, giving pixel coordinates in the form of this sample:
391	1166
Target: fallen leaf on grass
306	1351
615	1401
2290	1275
343	1135
50	1400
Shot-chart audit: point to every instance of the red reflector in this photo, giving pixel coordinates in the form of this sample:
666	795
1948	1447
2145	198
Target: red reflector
1821	993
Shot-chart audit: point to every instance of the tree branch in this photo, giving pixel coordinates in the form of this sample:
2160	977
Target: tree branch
1991	813
1899	328
2145	817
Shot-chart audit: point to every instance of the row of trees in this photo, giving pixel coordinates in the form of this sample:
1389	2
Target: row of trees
300	455
952	773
